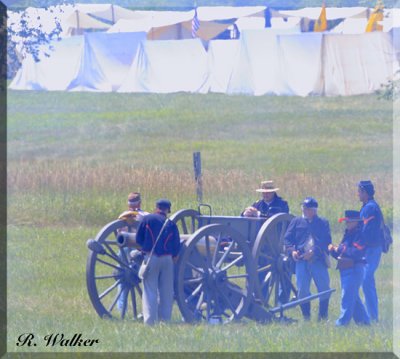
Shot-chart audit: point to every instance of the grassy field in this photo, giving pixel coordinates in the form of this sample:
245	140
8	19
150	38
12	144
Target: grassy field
73	157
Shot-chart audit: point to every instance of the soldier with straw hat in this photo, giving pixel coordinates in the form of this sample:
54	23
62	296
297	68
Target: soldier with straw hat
269	204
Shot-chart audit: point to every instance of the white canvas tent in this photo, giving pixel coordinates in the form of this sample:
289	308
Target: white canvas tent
106	60
351	26
79	22
258	69
108	12
222	56
168	66
357	64
300	60
53	73
159	25
332	13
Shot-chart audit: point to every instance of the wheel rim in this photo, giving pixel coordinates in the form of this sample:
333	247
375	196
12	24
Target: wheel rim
186	220
273	284
215	273
112	277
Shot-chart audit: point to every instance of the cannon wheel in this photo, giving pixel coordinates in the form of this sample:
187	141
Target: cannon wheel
274	274
215	273
186	220
112	279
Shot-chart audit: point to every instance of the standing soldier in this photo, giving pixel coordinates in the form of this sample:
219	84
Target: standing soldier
372	216
307	239
134	205
350	255
158	283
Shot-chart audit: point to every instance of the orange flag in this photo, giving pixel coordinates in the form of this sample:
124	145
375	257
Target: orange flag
321	24
377	15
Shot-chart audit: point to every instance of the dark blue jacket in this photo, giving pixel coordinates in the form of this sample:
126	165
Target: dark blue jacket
371	214
300	229
148	231
351	245
278	205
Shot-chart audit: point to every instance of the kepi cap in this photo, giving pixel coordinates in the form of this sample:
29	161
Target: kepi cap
309	202
350	216
164	203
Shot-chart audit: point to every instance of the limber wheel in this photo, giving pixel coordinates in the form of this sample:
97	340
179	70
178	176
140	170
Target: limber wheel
111	276
186	220
215	275
274	274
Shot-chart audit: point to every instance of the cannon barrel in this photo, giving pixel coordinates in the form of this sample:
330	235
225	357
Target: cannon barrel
127	239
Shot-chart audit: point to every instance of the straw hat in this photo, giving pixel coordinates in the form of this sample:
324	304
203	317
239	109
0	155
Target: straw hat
267	186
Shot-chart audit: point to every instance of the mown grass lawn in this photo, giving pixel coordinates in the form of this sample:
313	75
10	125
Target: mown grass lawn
73	157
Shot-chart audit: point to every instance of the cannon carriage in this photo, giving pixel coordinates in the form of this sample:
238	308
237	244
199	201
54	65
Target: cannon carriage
228	268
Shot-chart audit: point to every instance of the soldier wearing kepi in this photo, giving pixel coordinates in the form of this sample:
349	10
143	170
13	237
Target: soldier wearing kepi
306	240
270	203
371	215
158	284
350	255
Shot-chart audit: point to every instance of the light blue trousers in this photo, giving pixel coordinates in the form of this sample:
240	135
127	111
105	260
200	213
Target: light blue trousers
351	305
373	257
316	270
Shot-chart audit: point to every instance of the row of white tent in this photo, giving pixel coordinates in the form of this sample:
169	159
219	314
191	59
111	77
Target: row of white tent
75	19
261	62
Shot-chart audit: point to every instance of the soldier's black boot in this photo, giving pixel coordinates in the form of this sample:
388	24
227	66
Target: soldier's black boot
323	309
306	310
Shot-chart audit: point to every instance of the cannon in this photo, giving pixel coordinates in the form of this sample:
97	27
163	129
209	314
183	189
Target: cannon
228	268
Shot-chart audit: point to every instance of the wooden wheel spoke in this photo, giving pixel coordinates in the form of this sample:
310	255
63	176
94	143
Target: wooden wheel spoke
265	255
232	263
112	243
265	268
237	276
266	279
109	276
288	280
208	251
108	264
222	259
192	280
109	289
118	295
139	290
118	260
193	222
200	301
194	293
184	226
197	269
228	302
216	250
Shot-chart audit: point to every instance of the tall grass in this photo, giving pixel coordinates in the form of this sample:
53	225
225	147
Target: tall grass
74	157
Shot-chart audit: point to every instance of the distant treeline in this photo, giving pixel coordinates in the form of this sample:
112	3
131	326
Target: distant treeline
189	4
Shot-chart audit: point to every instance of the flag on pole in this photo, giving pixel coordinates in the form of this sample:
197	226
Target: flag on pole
321	24
195	24
377	15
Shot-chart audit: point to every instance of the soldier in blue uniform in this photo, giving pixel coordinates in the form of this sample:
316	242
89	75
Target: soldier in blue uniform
158	284
306	241
350	255
371	215
270	203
